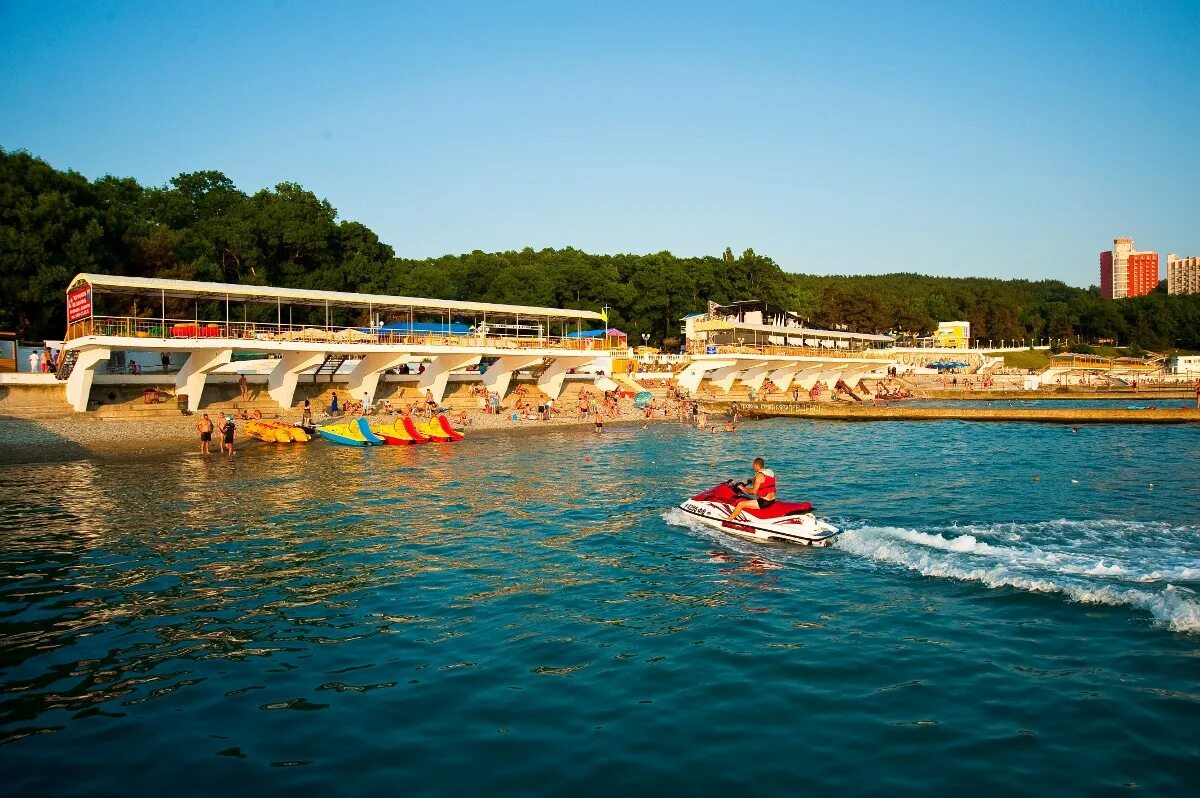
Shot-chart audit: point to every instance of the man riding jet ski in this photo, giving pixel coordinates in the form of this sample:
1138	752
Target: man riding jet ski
760	494
752	511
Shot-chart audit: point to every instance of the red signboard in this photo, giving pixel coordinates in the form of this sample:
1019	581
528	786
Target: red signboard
79	304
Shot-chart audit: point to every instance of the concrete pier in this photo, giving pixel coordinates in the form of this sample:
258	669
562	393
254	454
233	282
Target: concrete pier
899	412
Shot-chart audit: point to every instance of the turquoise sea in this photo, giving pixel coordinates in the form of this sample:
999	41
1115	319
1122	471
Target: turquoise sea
1011	610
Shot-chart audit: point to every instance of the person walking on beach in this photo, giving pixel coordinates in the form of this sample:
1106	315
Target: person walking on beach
306	414
205	427
166	361
244	388
333	405
227	430
33	362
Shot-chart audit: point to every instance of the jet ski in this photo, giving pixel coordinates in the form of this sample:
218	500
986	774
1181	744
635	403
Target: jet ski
790	522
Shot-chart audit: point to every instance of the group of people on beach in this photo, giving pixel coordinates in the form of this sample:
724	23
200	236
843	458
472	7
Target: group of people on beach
45	362
206	428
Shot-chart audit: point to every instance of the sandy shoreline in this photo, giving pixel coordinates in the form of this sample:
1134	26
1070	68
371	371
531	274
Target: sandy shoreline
42	440
81	436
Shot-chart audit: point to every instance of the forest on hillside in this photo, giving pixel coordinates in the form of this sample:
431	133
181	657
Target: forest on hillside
55	224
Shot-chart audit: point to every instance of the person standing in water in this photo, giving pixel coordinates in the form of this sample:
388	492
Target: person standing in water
227	430
205	427
761	491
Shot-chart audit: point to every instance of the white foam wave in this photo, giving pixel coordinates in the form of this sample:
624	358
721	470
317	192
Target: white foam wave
1067	569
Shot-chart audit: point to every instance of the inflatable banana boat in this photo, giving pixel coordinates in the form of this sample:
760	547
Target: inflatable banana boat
275	432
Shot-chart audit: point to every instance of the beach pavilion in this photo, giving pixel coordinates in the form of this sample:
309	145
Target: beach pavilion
750	342
311	331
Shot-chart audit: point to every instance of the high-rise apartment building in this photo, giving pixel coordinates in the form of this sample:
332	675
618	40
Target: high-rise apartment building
1183	274
1126	272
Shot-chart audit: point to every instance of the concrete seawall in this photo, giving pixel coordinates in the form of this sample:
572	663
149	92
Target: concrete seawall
899	412
1148	394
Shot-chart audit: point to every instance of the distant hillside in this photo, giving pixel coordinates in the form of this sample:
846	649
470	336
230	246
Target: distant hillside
200	226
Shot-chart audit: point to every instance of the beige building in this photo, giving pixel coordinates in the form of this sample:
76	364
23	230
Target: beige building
1183	275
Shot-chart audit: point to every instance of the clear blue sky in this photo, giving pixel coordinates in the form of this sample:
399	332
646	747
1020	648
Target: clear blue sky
997	139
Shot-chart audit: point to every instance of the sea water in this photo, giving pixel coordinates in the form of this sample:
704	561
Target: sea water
1011	609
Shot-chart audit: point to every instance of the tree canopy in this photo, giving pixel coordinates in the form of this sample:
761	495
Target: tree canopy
200	226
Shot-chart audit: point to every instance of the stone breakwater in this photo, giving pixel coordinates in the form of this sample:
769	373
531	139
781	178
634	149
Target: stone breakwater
1066	394
899	412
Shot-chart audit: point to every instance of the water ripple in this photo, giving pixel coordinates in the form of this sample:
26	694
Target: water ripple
473	617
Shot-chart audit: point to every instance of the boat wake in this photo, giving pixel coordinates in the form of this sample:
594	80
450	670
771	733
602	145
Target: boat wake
1154	567
1151	566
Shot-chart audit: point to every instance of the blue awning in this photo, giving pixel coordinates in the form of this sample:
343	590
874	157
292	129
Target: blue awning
611	332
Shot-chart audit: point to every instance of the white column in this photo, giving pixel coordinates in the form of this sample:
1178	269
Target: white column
854	372
691	377
79	384
723	378
550	383
364	377
756	375
808	376
499	375
782	376
281	382
190	379
437	373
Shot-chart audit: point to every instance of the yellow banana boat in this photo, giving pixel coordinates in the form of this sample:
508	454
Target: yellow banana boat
267	431
293	432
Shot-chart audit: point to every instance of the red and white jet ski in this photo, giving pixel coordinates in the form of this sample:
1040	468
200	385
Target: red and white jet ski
791	522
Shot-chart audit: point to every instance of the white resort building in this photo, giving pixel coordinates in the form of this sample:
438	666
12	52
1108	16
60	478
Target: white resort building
1183	274
751	342
315	333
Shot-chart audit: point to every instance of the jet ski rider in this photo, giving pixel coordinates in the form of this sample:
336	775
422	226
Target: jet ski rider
760	494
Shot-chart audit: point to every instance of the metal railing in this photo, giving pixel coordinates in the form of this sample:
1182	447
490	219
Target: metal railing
786	351
150	329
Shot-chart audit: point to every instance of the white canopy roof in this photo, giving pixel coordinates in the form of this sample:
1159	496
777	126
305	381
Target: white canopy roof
191	289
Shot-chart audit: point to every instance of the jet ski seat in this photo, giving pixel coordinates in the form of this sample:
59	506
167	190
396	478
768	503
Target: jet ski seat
780	509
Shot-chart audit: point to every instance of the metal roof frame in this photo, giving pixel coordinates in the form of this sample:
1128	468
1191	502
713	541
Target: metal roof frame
193	289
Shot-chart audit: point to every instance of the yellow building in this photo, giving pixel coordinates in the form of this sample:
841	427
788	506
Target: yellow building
953	334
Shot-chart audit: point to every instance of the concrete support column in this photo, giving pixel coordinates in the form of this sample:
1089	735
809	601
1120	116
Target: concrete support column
79	384
691	377
363	379
756	375
499	375
723	378
808	376
550	383
782	376
852	374
281	382
190	379
437	373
